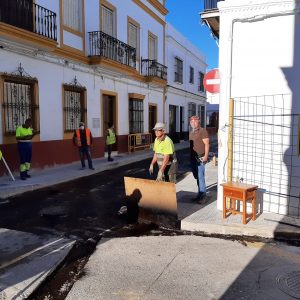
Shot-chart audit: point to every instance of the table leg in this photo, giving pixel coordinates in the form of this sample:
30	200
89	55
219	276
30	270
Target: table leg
244	208
224	206
254	207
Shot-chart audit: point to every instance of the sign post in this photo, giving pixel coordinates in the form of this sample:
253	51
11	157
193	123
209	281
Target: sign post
7	167
211	81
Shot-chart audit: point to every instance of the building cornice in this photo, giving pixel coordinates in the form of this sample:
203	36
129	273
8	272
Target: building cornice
149	11
257	7
22	36
185	93
175	42
160	7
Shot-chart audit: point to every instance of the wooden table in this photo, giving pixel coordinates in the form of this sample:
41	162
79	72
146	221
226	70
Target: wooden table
237	191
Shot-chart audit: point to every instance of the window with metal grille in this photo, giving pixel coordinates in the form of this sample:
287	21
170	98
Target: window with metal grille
191	75
201	114
136	115
72	14
191	109
200	82
19	104
74	107
178	70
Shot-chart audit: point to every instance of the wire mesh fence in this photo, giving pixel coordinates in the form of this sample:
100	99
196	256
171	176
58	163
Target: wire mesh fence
266	150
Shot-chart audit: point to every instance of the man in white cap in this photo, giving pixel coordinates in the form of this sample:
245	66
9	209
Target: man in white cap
199	147
163	154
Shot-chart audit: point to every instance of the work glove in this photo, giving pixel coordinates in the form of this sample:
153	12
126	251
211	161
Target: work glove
151	169
160	176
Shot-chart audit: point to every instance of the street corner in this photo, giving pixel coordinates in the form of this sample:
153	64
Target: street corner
28	260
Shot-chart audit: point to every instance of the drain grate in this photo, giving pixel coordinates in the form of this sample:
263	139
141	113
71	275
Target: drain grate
289	283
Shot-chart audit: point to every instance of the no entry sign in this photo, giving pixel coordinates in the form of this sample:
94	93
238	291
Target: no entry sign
211	81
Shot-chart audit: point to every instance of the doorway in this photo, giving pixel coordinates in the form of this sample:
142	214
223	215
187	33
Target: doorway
152	119
109	116
172	122
181	123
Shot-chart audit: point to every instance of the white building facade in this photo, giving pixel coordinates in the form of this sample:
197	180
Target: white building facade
185	94
260	68
67	61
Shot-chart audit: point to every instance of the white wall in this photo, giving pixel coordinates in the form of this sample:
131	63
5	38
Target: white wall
181	94
262	37
181	47
130	9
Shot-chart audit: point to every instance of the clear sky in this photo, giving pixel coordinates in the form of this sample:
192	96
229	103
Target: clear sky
184	16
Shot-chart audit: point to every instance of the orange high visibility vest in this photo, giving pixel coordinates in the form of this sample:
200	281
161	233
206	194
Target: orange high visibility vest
88	137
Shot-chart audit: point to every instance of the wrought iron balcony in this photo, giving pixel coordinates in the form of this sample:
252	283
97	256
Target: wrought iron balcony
29	16
104	45
210	16
211	4
151	68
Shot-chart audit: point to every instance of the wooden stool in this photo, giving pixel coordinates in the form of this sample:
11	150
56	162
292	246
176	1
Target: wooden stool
237	191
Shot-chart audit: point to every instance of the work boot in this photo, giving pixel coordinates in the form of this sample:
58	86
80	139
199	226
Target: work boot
110	159
27	175
199	197
23	176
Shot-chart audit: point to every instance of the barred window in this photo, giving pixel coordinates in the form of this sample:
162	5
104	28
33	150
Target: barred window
178	70
200	82
72	14
136	115
74	107
191	109
191	75
19	104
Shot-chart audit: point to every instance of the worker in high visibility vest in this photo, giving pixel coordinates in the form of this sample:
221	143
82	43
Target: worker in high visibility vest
110	140
24	135
83	139
164	155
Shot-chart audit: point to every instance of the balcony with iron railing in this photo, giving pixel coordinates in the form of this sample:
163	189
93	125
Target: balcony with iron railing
211	17
29	16
102	45
152	69
211	4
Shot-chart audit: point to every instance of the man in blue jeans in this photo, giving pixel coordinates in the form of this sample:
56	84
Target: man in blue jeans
199	149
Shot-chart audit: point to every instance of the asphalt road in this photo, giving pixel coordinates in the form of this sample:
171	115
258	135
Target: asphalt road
84	210
81	208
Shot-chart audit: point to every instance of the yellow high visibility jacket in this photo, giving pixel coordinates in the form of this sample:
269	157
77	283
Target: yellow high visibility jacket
111	137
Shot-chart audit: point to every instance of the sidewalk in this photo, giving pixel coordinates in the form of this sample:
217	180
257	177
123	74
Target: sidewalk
206	218
64	173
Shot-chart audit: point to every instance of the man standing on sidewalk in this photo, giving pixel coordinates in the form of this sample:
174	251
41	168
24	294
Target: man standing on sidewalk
163	154
110	140
24	135
199	149
83	139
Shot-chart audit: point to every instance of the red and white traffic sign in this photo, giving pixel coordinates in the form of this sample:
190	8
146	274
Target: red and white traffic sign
211	81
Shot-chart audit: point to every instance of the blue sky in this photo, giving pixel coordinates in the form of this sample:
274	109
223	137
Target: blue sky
184	16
